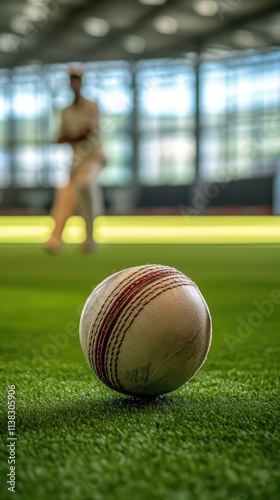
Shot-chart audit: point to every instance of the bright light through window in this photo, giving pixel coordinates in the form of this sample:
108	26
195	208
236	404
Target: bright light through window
214	97
240	101
157	101
3	108
244	89
173	99
27	105
115	101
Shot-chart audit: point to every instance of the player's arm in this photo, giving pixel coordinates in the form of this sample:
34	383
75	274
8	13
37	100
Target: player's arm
90	126
70	138
73	138
91	123
65	136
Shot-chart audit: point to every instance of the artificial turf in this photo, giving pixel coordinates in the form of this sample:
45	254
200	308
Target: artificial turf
215	438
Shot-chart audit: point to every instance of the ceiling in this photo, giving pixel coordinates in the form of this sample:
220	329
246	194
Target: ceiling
58	31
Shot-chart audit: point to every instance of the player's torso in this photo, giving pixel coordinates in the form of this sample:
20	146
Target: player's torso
77	117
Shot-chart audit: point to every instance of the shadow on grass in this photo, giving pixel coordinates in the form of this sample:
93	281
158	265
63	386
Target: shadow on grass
103	411
86	409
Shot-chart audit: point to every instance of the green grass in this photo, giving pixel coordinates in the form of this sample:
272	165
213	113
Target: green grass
215	438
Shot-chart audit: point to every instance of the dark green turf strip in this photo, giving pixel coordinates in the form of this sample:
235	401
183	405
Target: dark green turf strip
215	438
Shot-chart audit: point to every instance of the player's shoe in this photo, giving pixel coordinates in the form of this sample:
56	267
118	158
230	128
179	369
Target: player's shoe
53	246
89	245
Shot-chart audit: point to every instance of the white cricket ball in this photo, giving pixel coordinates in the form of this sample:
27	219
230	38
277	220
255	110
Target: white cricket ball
146	330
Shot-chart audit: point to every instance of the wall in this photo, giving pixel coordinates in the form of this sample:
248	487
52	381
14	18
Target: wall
256	192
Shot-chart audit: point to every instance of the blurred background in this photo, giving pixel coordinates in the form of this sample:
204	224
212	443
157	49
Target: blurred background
189	95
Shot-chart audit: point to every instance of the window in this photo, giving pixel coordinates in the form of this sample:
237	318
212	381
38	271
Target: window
113	93
29	112
165	96
240	103
5	157
147	120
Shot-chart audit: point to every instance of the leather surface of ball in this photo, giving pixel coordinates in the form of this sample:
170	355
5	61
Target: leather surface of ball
146	330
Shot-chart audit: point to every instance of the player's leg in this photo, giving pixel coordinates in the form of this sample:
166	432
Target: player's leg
89	199
65	203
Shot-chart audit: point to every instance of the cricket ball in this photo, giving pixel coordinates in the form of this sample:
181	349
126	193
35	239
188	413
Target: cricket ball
145	330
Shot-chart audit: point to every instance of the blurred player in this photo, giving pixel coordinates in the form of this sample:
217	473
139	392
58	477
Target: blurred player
80	128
